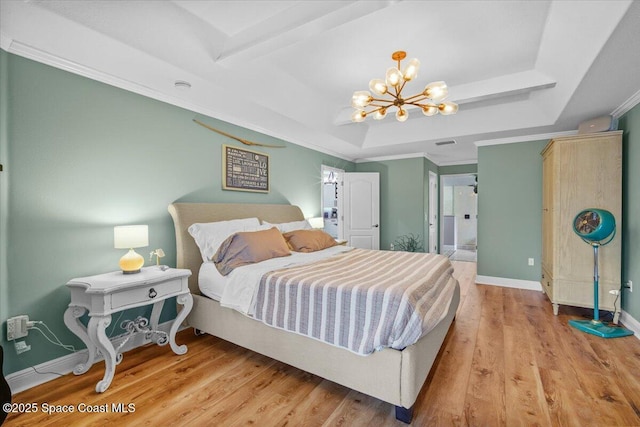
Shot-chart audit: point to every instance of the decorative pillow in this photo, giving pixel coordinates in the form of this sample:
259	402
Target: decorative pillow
285	227
210	235
309	240
249	247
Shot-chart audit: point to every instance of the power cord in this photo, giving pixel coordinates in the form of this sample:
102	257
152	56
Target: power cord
32	325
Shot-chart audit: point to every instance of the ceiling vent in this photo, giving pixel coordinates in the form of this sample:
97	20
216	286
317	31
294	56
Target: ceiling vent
446	142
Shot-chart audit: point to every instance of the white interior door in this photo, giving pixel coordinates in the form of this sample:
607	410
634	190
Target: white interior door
433	212
361	209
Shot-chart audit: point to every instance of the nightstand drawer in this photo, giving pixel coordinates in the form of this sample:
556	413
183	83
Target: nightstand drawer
145	294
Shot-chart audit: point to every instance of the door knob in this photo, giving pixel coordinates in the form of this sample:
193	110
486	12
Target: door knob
375	226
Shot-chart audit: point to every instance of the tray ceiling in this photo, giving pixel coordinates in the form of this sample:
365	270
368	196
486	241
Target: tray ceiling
518	69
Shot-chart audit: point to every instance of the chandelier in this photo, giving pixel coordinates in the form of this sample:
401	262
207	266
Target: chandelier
429	100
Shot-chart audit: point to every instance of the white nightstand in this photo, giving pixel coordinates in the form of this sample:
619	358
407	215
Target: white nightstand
105	294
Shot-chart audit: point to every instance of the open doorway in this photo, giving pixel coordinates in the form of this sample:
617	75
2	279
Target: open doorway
332	201
459	216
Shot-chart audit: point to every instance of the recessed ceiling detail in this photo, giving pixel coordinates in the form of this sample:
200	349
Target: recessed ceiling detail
288	69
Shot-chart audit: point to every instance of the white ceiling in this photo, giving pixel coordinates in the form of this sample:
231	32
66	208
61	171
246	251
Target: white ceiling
520	70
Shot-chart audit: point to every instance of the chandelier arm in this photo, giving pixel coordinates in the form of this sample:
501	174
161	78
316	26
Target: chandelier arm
404	82
417	95
418	100
374	110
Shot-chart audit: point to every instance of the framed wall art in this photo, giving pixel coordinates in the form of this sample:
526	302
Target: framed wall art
244	170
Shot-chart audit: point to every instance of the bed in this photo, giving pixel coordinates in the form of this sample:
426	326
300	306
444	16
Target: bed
400	374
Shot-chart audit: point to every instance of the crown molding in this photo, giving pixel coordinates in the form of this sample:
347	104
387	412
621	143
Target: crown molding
627	105
393	157
459	163
5	42
15	47
524	138
29	52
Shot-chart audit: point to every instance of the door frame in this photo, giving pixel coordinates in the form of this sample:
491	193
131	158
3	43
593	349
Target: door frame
434	213
339	173
441	193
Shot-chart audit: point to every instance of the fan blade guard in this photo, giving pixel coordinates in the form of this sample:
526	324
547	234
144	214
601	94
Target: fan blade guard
594	225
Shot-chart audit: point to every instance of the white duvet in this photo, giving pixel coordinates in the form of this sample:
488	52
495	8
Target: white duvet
237	290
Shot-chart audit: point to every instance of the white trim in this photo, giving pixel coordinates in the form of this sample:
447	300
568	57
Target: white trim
5	41
524	138
627	105
55	61
457	163
413	156
630	323
509	283
393	157
30	52
28	378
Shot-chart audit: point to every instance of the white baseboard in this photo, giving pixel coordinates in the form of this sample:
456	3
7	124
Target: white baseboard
509	283
630	323
52	369
625	318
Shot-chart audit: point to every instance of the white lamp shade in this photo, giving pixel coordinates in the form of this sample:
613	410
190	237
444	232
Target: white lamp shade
316	222
130	236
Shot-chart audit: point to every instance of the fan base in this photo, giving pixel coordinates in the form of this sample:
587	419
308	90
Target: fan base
598	328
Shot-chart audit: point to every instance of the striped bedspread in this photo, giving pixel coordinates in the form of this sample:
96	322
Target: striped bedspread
361	300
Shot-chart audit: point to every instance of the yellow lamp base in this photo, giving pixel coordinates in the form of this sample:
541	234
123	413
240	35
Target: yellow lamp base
131	262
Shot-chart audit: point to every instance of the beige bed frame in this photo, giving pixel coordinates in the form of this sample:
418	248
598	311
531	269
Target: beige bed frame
399	375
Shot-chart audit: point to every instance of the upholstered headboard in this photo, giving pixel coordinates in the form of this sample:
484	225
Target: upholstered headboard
185	214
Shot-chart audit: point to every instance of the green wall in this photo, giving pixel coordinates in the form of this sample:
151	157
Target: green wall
82	157
401	197
630	124
4	130
458	169
404	195
510	203
509	210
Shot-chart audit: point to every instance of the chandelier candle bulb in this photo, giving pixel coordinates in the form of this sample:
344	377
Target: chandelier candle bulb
402	115
447	108
380	114
428	100
394	77
378	86
437	91
411	72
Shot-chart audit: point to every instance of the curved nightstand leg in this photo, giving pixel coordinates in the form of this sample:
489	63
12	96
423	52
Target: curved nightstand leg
155	314
97	327
187	302
72	319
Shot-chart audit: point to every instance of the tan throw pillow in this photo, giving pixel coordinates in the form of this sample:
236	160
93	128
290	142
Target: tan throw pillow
309	240
248	247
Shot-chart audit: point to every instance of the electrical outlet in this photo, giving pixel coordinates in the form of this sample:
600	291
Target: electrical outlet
17	327
21	347
531	262
630	285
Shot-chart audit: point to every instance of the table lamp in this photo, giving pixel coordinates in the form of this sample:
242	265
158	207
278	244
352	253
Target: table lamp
316	222
130	237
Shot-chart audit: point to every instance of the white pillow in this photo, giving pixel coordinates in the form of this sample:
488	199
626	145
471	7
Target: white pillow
286	227
209	236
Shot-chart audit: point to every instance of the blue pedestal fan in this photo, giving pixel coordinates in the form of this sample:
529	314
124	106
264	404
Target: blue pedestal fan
596	227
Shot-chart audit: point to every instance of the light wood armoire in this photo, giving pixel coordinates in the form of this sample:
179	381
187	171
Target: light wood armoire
580	172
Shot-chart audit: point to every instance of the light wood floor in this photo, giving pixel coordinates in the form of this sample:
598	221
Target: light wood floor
507	362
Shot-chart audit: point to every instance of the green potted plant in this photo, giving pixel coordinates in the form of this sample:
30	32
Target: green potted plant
409	243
